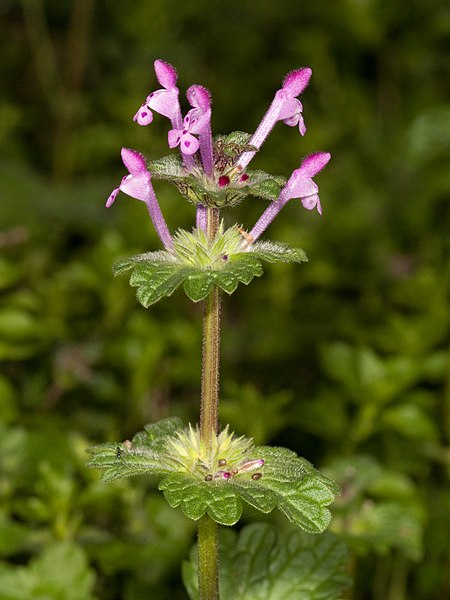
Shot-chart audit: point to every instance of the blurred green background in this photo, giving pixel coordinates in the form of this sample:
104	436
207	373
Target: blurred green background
344	360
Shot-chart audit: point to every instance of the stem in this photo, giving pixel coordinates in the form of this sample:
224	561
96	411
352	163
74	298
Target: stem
208	559
208	542
201	217
209	420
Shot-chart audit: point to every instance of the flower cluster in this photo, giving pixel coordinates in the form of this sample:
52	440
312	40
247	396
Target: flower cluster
201	156
228	456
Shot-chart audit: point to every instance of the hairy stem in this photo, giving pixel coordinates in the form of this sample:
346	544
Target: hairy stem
208	544
208	562
211	349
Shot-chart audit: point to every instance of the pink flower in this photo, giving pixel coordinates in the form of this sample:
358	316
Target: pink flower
300	184
184	137
138	184
164	101
284	107
200	99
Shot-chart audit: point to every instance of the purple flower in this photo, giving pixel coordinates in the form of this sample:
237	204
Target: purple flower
200	99
284	107
184	137
300	185
164	101
137	184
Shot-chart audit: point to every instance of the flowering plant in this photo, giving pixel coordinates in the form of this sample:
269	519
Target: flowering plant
207	472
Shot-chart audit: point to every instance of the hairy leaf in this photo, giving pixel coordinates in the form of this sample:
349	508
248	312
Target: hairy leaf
216	481
144	454
278	252
169	168
153	282
256	565
199	264
264	185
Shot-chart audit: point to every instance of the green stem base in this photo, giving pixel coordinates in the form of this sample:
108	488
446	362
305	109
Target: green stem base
208	559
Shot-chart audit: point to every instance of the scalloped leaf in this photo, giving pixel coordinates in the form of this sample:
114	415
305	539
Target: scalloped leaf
169	168
197	189
278	252
234	143
288	482
143	455
195	263
302	493
257	564
195	498
155	434
154	281
128	264
199	264
264	185
190	478
198	285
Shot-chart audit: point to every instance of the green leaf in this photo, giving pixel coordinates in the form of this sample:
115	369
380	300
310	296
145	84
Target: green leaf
194	478
61	571
154	435
235	142
264	185
199	497
239	268
128	264
412	422
278	252
288	482
196	188
256	564
380	510
199	264
169	168
198	285
302	493
144	455
153	282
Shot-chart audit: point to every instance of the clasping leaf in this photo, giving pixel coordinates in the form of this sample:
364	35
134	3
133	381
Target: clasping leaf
200	264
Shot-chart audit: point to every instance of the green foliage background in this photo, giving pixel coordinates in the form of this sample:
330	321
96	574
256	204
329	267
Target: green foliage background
344	360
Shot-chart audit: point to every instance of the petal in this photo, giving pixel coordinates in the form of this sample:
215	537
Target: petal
165	74
300	186
319	206
134	162
112	197
136	187
199	97
164	102
289	107
174	137
314	163
296	81
144	116
197	119
301	124
189	144
311	202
